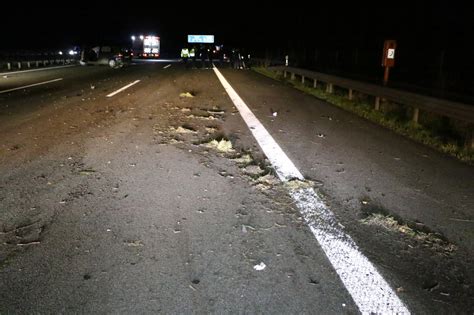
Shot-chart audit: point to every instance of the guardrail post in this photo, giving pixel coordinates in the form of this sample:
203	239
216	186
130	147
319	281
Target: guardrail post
416	115
302	79
329	88
28	64
315	83
44	63
19	65
350	96
470	138
292	76
37	63
9	66
377	103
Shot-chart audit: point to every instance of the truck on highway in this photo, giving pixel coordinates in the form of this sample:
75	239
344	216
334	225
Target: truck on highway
146	46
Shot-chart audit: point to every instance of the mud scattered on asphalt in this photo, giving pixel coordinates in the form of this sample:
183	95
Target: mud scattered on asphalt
244	159
427	239
223	145
182	129
187	94
297	184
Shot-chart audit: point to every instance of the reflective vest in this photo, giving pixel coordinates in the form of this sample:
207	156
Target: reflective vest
184	53
192	53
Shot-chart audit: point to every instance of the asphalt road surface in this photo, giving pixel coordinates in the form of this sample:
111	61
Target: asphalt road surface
158	198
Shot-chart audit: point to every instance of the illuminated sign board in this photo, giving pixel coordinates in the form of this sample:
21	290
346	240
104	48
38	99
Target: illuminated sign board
204	39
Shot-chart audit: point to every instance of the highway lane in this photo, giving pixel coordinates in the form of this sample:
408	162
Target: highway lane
358	160
78	84
115	216
119	210
362	168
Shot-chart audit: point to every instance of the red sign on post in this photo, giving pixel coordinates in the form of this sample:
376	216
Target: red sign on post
388	57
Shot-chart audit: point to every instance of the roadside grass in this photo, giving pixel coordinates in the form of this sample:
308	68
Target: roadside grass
434	132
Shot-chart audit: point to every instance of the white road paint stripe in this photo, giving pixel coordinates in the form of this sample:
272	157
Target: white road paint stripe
369	290
30	85
123	88
166	67
39	69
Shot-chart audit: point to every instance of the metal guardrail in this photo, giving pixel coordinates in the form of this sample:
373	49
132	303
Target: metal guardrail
438	106
442	107
19	65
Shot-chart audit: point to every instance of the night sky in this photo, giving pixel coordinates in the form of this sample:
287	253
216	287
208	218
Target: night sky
239	23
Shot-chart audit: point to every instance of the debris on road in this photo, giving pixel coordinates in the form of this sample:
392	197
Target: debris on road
201	117
253	170
244	159
182	129
268	180
221	146
211	129
297	184
216	112
136	243
186	94
246	226
321	135
260	266
428	239
86	172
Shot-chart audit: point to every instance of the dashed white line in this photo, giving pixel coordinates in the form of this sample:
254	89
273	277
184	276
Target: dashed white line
123	88
369	290
166	67
39	69
30	85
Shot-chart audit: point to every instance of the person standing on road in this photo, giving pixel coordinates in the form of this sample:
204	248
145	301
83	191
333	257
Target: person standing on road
192	55
202	55
209	57
235	59
185	56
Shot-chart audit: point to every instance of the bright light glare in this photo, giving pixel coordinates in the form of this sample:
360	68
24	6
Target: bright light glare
71	52
142	37
133	37
60	52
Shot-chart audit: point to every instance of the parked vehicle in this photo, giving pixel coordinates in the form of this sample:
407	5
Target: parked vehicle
111	56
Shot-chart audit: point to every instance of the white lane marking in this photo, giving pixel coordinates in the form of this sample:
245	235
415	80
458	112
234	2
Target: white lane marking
166	67
369	290
123	88
30	85
33	70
